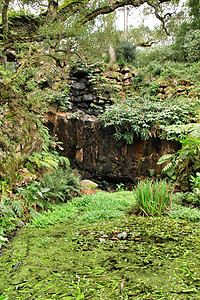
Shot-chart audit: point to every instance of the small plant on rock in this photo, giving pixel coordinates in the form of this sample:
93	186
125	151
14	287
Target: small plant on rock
153	197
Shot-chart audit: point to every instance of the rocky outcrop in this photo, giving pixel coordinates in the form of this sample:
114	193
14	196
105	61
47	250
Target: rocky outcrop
93	149
92	88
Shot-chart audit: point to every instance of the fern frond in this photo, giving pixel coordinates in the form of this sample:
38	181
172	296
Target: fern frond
17	207
165	158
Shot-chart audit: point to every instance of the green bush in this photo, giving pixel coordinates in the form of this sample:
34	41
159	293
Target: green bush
125	53
153	197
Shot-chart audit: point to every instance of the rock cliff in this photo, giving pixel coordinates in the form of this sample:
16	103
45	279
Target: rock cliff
93	149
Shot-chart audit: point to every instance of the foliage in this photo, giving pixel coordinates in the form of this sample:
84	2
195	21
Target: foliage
126	53
192	45
153	88
88	208
60	184
191	199
153	197
196	183
33	195
155	68
144	117
60	100
185	161
11	209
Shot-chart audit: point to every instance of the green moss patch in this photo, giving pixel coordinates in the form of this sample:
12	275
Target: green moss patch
128	258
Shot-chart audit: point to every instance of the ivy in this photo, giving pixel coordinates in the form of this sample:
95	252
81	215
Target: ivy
144	117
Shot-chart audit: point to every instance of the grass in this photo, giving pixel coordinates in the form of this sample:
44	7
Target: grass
185	213
153	197
89	208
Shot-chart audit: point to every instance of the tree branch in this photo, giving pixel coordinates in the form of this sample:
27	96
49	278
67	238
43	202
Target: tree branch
113	6
25	28
162	19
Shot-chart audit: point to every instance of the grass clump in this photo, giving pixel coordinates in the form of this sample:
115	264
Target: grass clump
152	197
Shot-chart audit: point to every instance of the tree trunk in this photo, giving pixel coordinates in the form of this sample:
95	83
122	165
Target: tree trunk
5	19
112	55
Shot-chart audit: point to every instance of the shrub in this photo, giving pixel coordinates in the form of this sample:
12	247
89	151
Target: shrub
153	197
126	53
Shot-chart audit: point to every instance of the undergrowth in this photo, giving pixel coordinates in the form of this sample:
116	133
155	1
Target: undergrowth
143	118
88	208
103	206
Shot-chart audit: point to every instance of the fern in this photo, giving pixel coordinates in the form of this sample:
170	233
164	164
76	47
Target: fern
17	207
186	160
191	130
61	184
64	162
5	206
165	158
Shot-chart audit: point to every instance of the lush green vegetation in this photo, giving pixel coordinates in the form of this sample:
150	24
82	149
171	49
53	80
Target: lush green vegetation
91	248
140	244
143	118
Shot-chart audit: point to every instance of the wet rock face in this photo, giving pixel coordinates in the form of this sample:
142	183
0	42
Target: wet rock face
93	149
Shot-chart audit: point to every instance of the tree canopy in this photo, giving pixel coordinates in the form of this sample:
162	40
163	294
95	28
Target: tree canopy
27	26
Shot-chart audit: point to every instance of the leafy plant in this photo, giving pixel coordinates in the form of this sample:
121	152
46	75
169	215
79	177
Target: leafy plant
185	161
155	68
10	211
126	53
143	117
48	160
60	184
153	88
196	183
60	100
153	197
33	195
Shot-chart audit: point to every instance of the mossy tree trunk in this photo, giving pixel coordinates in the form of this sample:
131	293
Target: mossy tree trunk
4	15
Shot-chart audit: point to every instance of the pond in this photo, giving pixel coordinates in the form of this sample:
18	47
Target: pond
132	257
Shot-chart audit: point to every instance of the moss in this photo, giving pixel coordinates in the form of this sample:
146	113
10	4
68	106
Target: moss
145	258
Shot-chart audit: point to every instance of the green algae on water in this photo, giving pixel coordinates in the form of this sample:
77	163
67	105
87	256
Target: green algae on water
129	258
